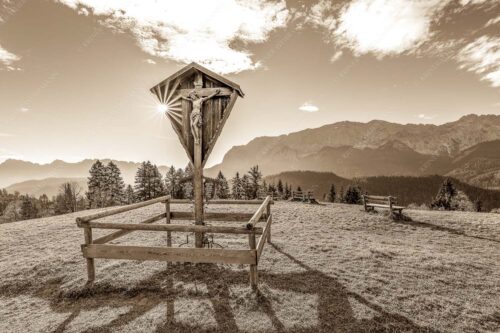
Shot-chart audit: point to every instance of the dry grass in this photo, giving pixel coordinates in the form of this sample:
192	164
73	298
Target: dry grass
331	268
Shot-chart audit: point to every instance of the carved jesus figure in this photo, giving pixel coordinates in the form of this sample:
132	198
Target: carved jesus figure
196	115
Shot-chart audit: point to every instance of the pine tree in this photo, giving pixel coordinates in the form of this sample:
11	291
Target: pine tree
129	195
331	194
353	195
114	185
96	184
255	178
341	195
187	185
445	196
179	180
28	209
247	189
222	187
280	188
237	190
171	181
148	182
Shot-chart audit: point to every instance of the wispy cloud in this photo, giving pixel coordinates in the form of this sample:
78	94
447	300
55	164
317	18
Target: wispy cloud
7	59
205	35
24	109
308	107
150	61
424	116
482	57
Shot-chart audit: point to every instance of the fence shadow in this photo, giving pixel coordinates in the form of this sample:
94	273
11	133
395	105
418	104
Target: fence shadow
334	309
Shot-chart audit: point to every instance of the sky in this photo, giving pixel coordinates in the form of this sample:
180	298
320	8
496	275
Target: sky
75	74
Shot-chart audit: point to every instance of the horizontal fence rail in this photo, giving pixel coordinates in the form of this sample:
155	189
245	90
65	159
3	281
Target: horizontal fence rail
98	248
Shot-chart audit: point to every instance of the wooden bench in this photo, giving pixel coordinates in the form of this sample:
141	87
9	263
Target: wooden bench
386	202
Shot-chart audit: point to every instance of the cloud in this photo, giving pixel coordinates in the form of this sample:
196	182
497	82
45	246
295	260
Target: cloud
482	56
385	27
336	56
7	59
308	107
24	109
426	116
150	61
5	135
190	30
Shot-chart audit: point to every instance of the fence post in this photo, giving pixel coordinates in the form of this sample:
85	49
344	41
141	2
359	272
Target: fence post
253	268
167	221
87	232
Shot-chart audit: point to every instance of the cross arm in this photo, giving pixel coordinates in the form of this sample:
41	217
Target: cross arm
204	92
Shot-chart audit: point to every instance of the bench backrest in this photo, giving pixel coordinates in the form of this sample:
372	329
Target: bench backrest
378	199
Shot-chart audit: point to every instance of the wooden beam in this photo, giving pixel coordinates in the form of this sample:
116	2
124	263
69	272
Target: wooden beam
206	92
121	233
227	217
119	210
171	227
87	233
254	278
170	254
265	235
256	217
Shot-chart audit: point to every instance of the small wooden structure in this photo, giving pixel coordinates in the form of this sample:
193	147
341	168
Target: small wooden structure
198	103
307	196
371	202
99	248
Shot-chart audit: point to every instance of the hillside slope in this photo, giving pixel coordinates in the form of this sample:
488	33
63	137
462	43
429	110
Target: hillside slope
418	190
329	268
48	186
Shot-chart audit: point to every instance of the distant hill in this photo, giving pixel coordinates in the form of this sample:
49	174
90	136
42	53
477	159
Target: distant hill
379	148
15	171
408	189
48	186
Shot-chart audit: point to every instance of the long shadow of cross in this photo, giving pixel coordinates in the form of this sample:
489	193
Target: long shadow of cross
334	310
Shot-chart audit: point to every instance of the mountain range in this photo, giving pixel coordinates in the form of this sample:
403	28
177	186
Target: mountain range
468	149
14	171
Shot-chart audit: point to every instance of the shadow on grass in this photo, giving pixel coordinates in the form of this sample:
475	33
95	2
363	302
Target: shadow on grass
334	309
442	228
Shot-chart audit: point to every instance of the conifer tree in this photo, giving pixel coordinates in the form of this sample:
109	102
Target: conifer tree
279	188
114	185
247	188
96	183
129	195
148	182
222	187
331	194
353	195
171	181
28	208
445	196
237	190
255	178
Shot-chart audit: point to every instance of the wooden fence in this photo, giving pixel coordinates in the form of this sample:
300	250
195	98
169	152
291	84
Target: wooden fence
97	248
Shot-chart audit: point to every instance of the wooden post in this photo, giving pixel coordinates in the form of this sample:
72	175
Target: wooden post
167	221
87	232
364	202
253	268
198	190
270	223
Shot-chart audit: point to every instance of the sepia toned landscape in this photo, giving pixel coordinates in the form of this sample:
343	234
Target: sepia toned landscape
330	267
249	166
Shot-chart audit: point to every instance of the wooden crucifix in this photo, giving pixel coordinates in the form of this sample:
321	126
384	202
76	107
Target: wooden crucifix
198	103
